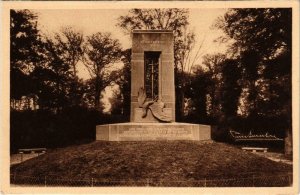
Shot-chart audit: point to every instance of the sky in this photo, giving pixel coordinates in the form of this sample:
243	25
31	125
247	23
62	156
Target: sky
105	20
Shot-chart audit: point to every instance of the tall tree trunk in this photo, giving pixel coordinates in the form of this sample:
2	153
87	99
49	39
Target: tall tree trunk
97	93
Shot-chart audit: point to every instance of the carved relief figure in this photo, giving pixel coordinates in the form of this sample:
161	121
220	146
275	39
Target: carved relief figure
155	106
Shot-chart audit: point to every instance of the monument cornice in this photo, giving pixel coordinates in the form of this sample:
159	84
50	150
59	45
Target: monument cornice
152	31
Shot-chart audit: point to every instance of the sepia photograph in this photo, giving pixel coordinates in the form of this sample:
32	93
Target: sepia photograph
157	96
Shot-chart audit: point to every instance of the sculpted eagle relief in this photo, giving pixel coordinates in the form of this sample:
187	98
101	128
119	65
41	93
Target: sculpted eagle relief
155	106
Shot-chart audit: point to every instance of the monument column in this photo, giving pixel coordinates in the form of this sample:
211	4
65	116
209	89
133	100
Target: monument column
156	44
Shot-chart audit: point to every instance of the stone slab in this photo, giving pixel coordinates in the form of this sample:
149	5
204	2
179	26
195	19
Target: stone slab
152	132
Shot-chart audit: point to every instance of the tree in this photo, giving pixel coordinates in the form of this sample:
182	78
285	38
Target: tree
183	68
230	91
166	19
261	30
122	77
116	102
56	78
71	43
212	64
172	19
196	106
101	52
53	78
25	54
25	39
43	69
125	81
263	45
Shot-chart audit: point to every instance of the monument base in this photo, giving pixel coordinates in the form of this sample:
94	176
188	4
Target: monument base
152	132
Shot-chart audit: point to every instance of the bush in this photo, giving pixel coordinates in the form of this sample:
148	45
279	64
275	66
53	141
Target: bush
29	129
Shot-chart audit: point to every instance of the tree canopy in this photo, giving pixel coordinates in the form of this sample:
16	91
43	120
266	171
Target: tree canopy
25	44
263	46
252	81
101	51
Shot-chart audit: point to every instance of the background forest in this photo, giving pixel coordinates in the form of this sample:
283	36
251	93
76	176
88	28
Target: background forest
247	88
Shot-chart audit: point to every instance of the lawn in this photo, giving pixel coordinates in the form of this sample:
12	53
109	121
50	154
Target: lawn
158	163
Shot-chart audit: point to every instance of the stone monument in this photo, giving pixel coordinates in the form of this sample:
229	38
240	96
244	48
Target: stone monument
152	115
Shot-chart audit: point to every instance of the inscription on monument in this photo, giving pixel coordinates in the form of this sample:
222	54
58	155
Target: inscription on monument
155	132
152	42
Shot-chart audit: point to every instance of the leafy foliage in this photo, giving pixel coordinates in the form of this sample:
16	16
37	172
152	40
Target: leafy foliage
42	128
72	45
263	45
249	87
101	52
44	73
124	81
264	31
171	19
24	51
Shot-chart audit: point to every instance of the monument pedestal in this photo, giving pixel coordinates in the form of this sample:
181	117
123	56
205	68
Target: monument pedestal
152	132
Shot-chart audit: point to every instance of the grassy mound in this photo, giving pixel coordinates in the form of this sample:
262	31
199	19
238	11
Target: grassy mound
156	161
